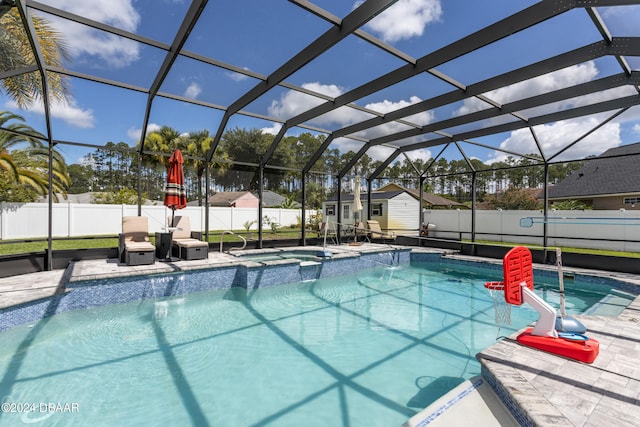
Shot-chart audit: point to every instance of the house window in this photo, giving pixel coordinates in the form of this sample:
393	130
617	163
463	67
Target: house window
330	210
345	212
376	209
631	200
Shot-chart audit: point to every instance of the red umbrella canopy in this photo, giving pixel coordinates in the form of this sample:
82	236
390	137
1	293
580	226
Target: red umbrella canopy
175	195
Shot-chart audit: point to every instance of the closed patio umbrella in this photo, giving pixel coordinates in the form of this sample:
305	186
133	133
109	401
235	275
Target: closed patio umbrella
356	198
175	195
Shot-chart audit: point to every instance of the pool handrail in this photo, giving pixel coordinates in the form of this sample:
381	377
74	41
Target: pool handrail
237	235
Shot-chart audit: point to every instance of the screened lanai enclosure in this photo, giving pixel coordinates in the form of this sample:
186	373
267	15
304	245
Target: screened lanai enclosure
460	99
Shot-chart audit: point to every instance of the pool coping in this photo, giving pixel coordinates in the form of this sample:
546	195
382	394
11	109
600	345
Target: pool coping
32	287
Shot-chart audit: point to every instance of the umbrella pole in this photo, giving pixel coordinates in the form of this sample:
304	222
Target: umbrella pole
173	214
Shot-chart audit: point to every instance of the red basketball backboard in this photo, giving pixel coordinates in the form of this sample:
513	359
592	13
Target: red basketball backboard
517	267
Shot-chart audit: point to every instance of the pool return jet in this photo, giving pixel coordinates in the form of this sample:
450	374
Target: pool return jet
518	289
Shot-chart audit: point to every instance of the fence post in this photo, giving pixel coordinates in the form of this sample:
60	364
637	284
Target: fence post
69	219
624	228
3	220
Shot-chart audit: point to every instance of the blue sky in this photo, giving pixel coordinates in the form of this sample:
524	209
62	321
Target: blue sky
258	36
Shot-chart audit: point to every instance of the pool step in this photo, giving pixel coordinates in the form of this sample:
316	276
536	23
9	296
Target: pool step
471	402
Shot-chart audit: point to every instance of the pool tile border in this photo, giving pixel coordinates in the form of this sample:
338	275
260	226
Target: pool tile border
95	291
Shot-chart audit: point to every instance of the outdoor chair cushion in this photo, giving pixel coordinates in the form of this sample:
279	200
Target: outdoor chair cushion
134	247
361	231
187	243
376	232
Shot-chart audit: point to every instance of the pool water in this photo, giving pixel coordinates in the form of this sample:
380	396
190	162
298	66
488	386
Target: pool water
370	349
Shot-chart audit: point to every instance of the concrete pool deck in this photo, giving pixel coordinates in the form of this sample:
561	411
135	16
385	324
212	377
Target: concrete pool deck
544	389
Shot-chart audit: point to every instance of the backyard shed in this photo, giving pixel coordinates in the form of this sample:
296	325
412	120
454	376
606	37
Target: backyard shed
396	211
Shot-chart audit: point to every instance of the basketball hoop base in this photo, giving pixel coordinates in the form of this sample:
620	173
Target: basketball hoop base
582	350
570	324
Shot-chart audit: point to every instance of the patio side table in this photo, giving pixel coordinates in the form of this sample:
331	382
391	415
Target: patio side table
163	245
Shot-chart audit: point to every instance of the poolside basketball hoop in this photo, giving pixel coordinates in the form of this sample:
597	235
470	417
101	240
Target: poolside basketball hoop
500	305
517	289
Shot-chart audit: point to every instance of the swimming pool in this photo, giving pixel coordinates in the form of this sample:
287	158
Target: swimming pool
371	348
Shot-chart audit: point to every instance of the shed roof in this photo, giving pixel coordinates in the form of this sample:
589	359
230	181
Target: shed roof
431	199
375	195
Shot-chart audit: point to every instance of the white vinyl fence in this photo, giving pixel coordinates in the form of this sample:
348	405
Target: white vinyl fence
596	229
30	220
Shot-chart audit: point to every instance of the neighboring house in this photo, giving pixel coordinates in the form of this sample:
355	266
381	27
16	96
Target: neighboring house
271	199
397	211
610	181
429	201
234	199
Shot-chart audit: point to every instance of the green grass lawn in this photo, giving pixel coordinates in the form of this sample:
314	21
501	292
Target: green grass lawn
21	247
9	248
564	249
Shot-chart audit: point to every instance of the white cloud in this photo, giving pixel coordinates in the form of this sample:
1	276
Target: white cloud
113	50
636	128
69	112
73	115
554	137
292	103
566	77
193	91
623	21
134	133
273	130
346	144
237	77
119	13
389	128
422	154
405	19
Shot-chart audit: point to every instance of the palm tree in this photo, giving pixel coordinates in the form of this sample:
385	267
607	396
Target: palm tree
195	147
26	158
159	144
16	53
17	135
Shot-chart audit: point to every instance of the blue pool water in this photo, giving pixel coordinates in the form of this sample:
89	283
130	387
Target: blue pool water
370	349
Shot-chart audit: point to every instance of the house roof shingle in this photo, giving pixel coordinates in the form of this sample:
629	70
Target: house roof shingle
227	198
616	171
